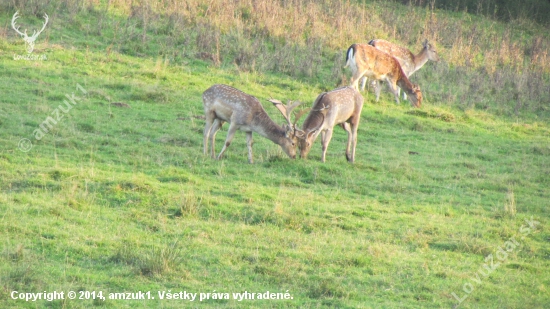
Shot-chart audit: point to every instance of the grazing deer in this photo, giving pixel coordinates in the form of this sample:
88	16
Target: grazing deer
29	40
365	60
223	103
409	62
340	106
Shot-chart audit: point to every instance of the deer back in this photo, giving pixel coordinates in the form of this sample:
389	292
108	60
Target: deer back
409	62
233	105
403	55
375	63
332	108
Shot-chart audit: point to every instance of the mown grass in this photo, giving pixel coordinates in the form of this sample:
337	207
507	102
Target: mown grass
121	199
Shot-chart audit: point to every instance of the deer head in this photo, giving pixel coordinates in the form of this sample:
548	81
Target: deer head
292	132
416	96
307	137
29	40
432	53
286	110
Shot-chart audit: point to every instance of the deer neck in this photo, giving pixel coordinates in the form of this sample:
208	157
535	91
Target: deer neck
267	128
420	59
313	122
405	84
316	118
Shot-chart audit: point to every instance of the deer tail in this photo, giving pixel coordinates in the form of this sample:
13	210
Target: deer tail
350	55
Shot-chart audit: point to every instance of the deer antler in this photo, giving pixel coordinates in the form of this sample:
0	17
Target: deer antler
299	132
285	109
300	114
15	17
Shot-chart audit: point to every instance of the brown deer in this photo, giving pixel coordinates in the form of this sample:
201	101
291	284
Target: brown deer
409	62
340	106
365	60
244	112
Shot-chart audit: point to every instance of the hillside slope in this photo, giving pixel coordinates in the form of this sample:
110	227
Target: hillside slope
445	205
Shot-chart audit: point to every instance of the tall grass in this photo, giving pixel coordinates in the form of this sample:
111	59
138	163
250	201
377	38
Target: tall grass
505	10
496	66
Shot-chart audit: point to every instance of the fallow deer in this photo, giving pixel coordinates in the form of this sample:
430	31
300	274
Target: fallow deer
244	112
409	62
341	106
367	61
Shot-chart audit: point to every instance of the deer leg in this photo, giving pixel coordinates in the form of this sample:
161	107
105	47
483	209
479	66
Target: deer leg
230	134
377	88
355	79
363	82
323	134
213	130
394	90
249	143
399	93
325	140
354	127
207	127
346	127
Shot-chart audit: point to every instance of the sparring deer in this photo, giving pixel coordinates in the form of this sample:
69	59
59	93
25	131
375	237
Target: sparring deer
341	106
244	112
365	60
409	62
29	40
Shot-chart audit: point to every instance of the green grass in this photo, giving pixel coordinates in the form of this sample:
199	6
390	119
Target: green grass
119	199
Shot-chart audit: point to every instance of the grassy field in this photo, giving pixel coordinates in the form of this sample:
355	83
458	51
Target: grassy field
446	205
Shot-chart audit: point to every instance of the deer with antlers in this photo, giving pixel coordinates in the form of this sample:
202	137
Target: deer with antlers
341	106
244	112
367	61
409	62
29	40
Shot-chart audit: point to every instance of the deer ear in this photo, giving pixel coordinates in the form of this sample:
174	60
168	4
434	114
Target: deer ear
299	133
311	133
